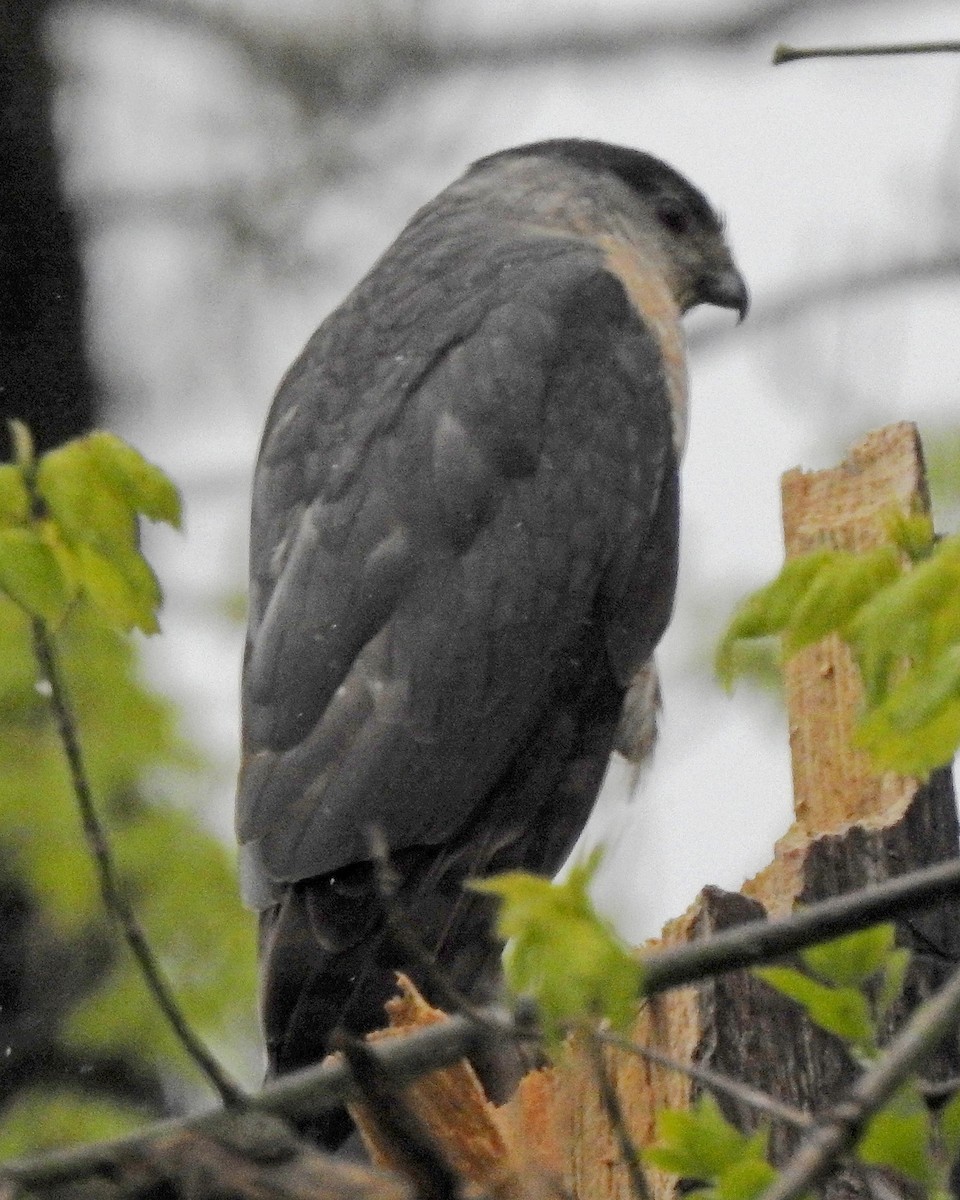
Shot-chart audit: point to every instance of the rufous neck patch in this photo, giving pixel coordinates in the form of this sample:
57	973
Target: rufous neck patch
652	297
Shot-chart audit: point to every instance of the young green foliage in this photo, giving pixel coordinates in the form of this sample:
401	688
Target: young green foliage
180	877
562	952
568	959
849	985
899	1137
898	608
858	977
701	1144
68	528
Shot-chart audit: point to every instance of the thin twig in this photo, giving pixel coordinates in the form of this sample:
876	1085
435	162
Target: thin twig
113	895
839	1130
936	1091
785	54
614	1113
723	1085
755	942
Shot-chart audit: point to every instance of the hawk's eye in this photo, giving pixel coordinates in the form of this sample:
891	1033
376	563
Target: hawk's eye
673	216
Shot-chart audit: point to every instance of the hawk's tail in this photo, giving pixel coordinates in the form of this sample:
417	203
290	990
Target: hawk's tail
329	961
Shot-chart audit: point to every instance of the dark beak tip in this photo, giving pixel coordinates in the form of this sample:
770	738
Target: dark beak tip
728	290
744	305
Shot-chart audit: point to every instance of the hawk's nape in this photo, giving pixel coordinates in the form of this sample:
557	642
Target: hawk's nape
463	554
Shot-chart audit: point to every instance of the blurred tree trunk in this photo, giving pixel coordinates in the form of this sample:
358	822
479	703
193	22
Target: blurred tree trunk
45	377
45	380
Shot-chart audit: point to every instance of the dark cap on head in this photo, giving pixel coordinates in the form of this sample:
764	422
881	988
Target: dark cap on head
644	173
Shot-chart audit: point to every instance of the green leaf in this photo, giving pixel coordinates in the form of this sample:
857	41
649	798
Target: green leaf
562	952
146	488
837	591
851	960
85	504
839	1010
912	533
126	594
14	500
768	611
93	489
898	1138
917	728
31	576
899	621
745	1180
700	1143
892	978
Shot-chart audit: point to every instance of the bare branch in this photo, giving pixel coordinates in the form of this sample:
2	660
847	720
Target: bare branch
301	1095
113	894
714	1081
298	1097
785	54
760	941
841	1128
936	1091
614	1113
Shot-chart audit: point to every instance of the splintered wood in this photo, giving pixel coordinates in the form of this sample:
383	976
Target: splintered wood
852	827
451	1106
846	508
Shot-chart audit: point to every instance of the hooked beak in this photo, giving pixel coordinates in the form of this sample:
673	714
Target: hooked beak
726	289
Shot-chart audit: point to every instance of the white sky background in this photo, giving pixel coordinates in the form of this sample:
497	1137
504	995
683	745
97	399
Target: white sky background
173	144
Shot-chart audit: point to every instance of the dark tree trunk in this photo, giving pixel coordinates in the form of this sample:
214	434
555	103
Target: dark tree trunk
46	381
45	378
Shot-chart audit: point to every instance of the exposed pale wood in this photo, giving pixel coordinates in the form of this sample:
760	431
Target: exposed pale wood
846	508
453	1108
561	1109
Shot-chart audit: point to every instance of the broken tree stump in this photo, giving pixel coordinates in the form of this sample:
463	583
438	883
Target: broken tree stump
852	827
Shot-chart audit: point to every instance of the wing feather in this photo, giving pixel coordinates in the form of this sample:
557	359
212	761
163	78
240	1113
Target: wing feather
432	528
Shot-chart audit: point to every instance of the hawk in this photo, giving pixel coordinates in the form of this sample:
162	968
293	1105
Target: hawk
463	554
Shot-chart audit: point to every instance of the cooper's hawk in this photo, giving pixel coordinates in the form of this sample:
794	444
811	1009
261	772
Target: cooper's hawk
464	551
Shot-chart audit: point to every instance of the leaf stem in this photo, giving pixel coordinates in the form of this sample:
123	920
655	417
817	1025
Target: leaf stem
110	888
